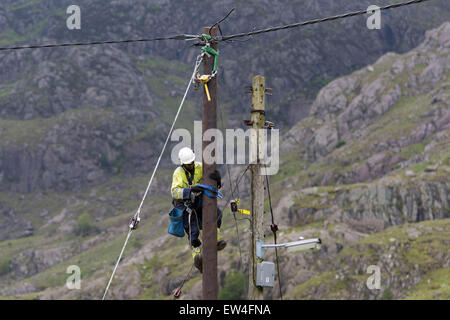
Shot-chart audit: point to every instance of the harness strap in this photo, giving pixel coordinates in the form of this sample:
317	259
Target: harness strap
189	177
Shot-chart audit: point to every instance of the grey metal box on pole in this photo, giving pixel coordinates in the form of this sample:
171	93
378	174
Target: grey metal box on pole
265	274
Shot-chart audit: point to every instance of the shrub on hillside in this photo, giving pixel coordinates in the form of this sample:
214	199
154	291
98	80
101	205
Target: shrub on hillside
85	225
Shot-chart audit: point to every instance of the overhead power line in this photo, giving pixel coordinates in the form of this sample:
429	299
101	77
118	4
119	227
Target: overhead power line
187	37
184	37
301	24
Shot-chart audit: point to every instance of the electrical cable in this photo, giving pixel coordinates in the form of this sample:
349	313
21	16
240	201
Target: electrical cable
274	229
187	37
184	37
301	24
221	20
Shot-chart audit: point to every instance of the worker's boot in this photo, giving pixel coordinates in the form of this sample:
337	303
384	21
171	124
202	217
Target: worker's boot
198	262
196	243
197	255
221	244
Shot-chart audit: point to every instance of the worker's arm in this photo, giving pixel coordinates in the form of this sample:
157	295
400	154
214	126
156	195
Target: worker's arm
180	189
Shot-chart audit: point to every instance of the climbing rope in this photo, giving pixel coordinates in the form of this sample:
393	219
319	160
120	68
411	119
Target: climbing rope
136	218
178	292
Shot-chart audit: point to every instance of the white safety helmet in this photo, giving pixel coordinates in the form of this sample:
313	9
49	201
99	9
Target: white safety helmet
186	155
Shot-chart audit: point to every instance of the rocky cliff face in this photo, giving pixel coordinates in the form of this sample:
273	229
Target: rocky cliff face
358	110
386	203
59	137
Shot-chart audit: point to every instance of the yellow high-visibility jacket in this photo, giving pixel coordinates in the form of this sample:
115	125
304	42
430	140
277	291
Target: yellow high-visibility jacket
180	185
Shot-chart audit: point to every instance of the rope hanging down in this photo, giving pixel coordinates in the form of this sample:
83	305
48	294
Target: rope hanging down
136	218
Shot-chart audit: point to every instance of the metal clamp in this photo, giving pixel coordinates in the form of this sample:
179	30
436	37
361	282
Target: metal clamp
234	207
269	125
134	223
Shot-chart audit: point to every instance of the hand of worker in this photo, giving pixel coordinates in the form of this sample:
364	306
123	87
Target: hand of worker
196	189
216	177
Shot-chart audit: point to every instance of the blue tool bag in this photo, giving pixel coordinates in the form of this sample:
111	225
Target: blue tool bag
176	223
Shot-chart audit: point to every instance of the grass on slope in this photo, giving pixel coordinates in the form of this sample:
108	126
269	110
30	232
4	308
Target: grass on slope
434	285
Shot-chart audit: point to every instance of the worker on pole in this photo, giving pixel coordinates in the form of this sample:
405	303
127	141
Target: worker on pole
187	198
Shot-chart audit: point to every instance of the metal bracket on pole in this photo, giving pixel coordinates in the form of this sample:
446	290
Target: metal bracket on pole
259	249
303	245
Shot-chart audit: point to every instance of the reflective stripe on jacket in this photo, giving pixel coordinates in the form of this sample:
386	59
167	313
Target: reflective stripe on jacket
180	185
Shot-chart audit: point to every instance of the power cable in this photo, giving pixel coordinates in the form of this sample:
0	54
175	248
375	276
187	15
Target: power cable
184	37
221	20
187	37
301	24
274	229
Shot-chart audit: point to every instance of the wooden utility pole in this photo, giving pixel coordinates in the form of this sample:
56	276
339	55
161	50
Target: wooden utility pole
210	284
257	182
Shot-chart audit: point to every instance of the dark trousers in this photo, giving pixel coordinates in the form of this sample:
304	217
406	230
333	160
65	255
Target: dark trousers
192	222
